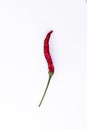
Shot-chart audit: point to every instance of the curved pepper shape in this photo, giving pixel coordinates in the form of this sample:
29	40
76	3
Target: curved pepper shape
49	62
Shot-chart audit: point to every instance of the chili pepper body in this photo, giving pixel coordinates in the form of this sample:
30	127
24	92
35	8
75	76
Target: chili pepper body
49	62
47	53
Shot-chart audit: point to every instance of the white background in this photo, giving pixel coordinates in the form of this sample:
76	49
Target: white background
23	69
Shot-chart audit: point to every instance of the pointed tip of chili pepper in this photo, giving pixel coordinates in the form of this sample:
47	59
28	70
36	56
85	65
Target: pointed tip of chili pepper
50	32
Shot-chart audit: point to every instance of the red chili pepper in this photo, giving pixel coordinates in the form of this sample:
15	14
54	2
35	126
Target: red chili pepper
49	62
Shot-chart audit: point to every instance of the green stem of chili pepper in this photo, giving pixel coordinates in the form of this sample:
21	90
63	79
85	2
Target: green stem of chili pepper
50	76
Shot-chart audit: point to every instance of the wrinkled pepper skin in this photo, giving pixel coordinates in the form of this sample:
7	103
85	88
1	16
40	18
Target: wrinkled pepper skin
47	53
